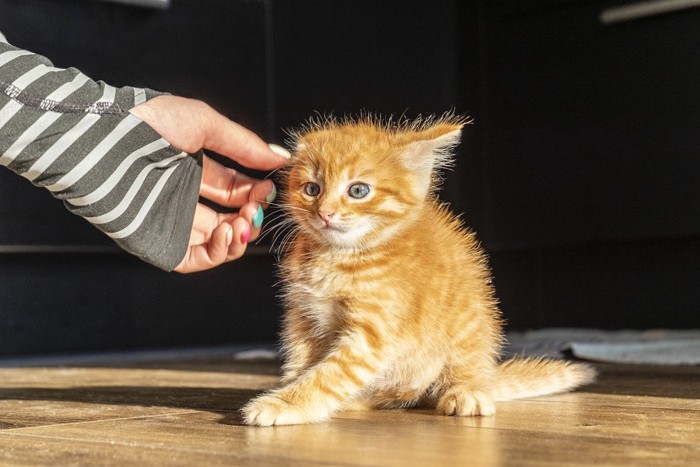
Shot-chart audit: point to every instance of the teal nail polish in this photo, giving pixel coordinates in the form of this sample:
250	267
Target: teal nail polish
258	217
273	194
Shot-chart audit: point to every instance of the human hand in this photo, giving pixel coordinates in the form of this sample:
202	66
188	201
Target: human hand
191	125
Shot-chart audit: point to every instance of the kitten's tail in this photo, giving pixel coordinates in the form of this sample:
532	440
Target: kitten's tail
529	377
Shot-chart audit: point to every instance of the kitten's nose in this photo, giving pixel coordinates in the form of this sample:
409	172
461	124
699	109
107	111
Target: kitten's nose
326	216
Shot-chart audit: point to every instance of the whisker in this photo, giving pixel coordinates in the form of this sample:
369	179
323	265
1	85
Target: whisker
274	172
267	231
274	223
283	206
279	231
277	224
283	246
288	241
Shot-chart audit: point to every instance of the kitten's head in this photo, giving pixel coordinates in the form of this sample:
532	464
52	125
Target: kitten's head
355	183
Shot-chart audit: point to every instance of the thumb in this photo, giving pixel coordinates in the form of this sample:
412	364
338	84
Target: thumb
191	125
236	142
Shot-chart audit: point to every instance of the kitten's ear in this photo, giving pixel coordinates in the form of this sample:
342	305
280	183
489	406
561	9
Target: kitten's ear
429	149
432	147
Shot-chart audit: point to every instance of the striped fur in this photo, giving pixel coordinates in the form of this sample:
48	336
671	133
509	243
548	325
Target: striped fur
390	303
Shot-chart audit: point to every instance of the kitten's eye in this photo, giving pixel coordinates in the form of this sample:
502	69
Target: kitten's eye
312	189
358	190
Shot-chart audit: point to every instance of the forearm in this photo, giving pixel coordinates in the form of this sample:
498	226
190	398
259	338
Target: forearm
76	138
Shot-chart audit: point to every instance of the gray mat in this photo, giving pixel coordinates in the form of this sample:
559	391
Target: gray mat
658	347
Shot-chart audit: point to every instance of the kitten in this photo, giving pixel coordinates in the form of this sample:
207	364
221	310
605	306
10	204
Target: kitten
389	301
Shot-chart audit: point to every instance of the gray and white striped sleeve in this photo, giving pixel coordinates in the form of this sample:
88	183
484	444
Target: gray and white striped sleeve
75	137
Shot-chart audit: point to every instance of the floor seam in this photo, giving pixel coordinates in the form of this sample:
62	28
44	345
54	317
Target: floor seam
148	446
137	417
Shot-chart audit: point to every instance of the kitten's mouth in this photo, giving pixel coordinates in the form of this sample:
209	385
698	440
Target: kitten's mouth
332	228
337	232
340	234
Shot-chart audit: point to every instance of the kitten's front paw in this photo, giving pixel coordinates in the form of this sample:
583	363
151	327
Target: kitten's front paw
464	403
268	410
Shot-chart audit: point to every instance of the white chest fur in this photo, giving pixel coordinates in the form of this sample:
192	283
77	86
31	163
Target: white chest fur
319	307
323	313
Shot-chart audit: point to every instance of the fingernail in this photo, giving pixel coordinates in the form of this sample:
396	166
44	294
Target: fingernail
229	235
273	194
280	151
258	217
245	236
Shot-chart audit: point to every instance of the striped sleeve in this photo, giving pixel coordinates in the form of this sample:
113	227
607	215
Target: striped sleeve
75	137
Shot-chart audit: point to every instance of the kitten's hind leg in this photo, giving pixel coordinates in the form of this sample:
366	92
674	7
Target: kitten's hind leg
463	401
465	392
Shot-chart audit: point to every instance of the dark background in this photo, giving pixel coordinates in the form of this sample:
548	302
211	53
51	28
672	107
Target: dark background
580	173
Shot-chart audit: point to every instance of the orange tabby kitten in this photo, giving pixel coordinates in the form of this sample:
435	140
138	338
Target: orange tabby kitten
389	298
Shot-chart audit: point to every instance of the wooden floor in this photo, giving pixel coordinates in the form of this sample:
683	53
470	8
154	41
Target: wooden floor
186	413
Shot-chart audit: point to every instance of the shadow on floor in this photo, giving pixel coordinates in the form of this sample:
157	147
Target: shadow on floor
646	380
222	401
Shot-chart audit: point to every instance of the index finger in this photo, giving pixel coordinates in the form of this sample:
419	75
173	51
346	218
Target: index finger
238	143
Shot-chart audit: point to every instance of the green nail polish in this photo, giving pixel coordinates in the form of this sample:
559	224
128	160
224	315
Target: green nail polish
258	217
273	194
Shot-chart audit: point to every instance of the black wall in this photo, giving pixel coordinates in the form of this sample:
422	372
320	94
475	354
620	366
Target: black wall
588	157
580	173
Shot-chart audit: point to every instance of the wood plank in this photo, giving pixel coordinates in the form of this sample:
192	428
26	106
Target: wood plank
47	396
381	438
122	416
16	450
